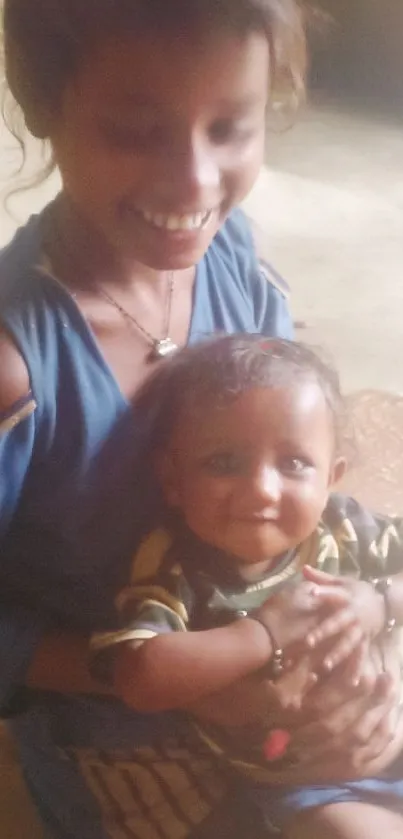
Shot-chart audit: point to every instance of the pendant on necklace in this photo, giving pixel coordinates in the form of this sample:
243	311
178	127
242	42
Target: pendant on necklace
163	348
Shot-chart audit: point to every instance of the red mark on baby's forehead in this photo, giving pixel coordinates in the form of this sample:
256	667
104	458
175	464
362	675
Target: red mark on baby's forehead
268	345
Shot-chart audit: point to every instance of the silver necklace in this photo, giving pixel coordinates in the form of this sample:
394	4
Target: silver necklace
161	347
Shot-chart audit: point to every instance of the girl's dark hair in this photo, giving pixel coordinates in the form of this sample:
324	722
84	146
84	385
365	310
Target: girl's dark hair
46	40
216	371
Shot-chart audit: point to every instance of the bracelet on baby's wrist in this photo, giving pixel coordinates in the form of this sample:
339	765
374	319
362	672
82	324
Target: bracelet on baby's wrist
382	585
275	667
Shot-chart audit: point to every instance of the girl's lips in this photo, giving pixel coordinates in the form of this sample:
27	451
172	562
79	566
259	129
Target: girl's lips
178	223
259	518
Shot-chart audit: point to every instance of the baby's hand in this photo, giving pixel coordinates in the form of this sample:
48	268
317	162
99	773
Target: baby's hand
358	621
291	689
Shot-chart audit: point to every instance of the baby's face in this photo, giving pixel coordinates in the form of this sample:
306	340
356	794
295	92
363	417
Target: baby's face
251	477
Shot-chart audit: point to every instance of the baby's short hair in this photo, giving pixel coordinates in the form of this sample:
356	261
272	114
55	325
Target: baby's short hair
218	370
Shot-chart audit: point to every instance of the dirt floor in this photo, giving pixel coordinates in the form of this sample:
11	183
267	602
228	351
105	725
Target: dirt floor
331	201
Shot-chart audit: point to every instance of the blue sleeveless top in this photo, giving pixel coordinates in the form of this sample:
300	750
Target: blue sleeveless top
75	498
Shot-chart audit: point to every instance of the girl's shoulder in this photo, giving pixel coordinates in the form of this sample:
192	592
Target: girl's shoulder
244	243
54	342
18	260
31	315
15	392
236	290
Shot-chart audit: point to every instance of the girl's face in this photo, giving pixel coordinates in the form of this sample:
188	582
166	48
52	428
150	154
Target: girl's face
252	477
159	136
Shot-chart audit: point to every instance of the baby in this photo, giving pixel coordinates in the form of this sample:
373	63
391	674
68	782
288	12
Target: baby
256	567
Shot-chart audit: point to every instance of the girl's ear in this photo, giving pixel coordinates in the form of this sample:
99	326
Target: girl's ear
167	478
338	470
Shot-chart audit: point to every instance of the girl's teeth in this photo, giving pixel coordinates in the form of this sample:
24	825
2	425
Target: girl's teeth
175	223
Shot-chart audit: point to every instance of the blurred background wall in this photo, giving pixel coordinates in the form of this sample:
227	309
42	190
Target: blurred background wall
362	54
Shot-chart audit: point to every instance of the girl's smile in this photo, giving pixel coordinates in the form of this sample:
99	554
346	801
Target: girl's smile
176	233
189	222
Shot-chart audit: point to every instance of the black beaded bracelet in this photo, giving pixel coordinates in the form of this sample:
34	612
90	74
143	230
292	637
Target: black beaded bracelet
382	586
275	667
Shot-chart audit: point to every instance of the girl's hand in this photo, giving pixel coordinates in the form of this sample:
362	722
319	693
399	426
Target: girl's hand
382	739
242	704
349	740
344	732
361	618
294	613
339	732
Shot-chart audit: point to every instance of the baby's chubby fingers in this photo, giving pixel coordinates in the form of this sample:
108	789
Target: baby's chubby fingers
343	649
331	595
354	670
320	578
336	624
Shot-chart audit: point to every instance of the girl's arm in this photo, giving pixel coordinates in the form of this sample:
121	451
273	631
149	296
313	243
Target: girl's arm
246	702
28	655
258	700
60	663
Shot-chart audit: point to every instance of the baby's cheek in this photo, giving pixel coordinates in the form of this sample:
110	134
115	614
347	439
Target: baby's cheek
311	503
302	514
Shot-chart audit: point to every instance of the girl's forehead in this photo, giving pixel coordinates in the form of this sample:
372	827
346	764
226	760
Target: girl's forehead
145	66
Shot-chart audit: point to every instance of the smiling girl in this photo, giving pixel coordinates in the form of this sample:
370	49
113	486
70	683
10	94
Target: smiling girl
155	113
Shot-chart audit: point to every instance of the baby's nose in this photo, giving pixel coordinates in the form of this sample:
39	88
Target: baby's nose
267	484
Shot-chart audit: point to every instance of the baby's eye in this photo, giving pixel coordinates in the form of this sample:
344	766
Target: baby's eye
295	465
223	464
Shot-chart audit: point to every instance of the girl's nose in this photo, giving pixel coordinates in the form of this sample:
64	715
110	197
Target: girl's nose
192	176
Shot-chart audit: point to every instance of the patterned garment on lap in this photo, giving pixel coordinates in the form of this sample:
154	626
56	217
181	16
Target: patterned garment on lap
154	792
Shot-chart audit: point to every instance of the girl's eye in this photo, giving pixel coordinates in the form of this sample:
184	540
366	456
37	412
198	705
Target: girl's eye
226	130
223	464
125	138
295	465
